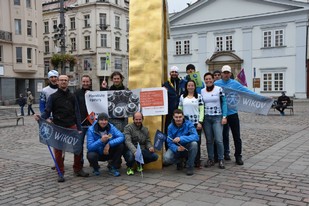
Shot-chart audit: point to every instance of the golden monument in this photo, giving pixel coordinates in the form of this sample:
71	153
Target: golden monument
149	30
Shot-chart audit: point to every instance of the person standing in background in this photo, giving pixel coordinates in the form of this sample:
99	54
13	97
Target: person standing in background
30	100
21	102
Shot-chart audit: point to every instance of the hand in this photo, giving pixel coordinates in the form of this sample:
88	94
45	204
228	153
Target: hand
79	132
104	84
176	140
223	121
151	149
49	120
104	138
106	149
36	117
180	149
199	126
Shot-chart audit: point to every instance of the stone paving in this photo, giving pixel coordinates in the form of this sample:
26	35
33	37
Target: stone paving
276	171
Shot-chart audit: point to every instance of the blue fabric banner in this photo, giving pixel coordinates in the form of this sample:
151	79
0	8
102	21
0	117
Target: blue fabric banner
139	155
61	138
159	140
247	102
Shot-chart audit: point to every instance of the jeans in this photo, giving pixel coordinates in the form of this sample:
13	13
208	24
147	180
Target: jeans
147	156
114	155
30	109
213	131
22	111
171	158
233	123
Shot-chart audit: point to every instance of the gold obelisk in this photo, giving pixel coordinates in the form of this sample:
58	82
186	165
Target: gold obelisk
149	30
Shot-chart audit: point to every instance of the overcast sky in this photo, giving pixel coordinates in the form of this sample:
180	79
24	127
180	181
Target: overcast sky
178	5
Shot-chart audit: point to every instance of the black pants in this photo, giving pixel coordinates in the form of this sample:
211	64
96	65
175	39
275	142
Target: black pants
233	123
114	155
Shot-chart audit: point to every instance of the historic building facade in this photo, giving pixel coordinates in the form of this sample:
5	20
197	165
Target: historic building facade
266	38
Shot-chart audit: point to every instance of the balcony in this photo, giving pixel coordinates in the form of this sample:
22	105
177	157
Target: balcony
5	36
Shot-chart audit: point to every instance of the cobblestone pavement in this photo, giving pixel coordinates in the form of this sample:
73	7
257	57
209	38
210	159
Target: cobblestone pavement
276	171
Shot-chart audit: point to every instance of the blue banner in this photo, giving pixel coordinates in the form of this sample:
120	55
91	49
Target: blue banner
61	138
247	102
159	140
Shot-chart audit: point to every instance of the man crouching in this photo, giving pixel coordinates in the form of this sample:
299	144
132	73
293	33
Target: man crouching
182	142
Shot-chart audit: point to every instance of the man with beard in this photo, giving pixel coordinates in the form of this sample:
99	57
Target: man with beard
175	87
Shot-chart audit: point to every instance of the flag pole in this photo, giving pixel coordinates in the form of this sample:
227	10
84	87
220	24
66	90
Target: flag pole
53	157
177	143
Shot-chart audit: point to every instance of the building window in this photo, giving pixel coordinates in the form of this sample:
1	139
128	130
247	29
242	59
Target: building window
87	21
224	43
73	44
16	2
103	63
29	28
102	21
128	45
87	1
273	81
55	25
46	44
185	49
116	2
17	26
118	64
117	22
28	4
273	38
46	27
127	25
1	52
72	22
29	55
103	40
117	43
19	55
46	68
87	42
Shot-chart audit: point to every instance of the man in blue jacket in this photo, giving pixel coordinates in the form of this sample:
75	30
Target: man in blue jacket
232	115
182	142
104	142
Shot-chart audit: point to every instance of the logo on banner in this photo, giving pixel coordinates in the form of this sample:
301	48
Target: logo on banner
232	99
46	131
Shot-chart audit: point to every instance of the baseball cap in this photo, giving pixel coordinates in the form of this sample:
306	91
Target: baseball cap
226	68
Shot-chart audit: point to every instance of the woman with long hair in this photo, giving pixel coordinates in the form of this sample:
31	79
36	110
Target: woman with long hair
192	105
214	119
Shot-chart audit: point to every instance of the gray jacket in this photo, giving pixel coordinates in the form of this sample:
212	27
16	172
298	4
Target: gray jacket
135	135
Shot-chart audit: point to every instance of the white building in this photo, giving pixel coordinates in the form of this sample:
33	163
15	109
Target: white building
265	36
93	28
21	56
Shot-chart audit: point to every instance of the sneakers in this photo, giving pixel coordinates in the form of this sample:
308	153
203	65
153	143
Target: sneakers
130	171
81	173
96	172
190	171
113	171
239	161
209	163
227	157
221	164
139	168
61	179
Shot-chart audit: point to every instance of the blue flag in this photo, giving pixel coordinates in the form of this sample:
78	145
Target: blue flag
139	155
160	138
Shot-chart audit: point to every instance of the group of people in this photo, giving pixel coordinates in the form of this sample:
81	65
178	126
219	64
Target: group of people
22	101
105	141
192	109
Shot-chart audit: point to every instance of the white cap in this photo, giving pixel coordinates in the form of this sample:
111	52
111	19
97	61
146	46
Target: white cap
174	69
53	73
226	68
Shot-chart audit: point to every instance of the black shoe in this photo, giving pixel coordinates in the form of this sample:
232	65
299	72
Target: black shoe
61	179
221	164
81	173
239	161
53	168
190	171
227	157
209	163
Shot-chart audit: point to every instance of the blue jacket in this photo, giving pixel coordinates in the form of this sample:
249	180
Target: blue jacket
233	84
174	94
187	133
94	143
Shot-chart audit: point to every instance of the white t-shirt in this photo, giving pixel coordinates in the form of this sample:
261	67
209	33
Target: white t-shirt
212	102
190	107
